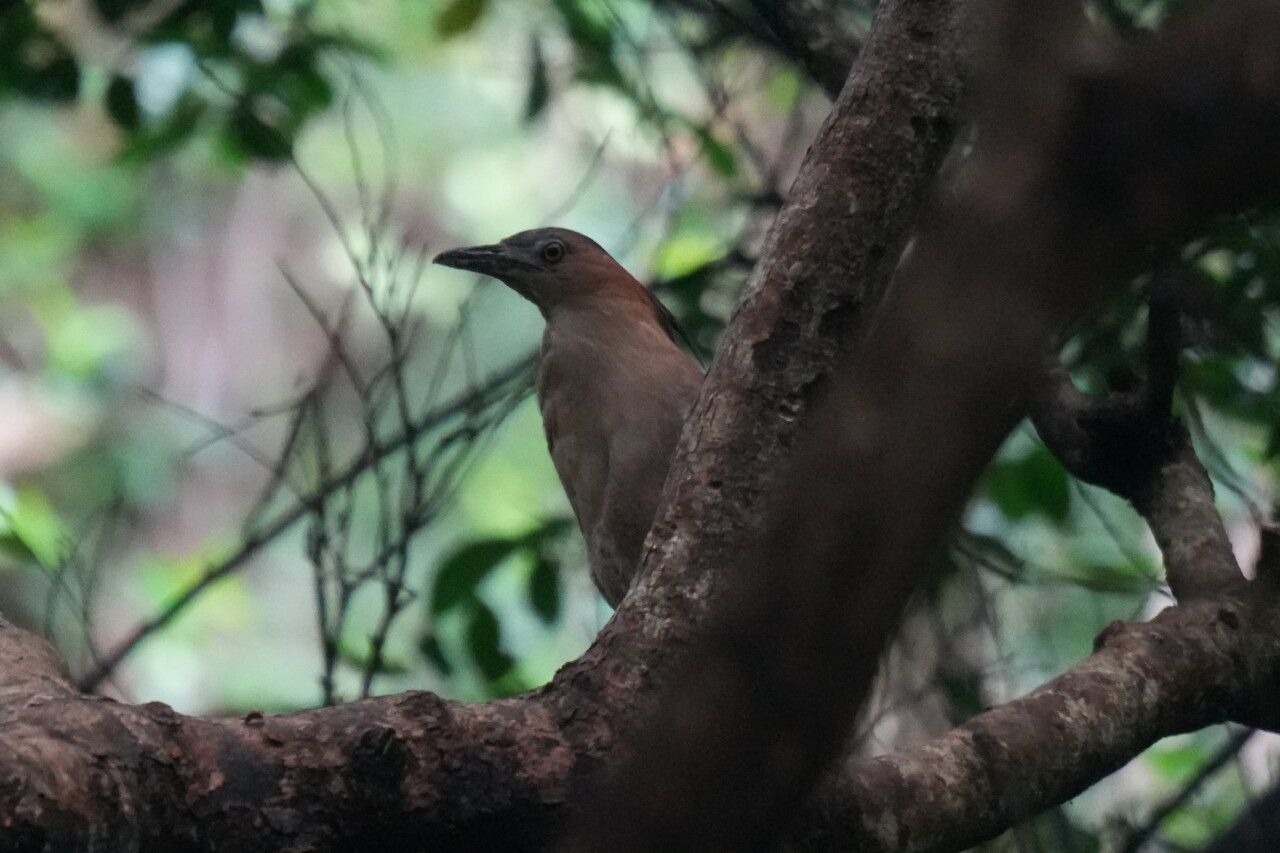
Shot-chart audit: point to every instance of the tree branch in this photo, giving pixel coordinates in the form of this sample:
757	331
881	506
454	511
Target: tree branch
414	771
997	275
1130	443
1176	673
505	382
824	267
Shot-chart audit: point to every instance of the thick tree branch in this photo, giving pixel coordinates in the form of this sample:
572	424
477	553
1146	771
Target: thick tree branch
415	772
826	263
1012	762
997	276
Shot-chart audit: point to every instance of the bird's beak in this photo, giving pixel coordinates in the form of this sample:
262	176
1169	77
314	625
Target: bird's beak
499	260
481	259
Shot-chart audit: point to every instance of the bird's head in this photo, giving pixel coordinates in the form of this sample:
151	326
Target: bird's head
547	266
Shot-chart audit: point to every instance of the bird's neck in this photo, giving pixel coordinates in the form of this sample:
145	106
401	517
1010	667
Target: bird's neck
624	305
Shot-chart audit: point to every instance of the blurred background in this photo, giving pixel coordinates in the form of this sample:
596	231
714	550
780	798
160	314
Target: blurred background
256	453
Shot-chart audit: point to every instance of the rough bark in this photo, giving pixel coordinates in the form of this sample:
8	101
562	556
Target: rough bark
826	263
1001	767
1027	242
416	772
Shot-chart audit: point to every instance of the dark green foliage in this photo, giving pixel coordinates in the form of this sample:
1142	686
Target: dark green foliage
1035	483
256	100
460	16
33	64
122	105
457	590
539	85
544	589
484	641
460	575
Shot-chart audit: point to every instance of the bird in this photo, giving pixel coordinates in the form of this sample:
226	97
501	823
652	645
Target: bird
614	386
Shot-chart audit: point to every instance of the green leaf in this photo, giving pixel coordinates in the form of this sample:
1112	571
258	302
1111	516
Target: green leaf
255	136
431	648
539	87
460	16
463	571
1036	483
719	155
963	692
11	545
485	641
113	10
122	106
544	589
177	128
34	530
53	78
550	530
1109	579
590	32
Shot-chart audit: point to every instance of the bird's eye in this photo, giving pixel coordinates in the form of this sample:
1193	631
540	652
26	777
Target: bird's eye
553	251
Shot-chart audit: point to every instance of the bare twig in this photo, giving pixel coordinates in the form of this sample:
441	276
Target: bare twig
512	379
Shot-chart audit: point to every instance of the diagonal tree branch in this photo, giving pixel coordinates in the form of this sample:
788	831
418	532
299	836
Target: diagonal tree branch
1013	761
825	265
996	277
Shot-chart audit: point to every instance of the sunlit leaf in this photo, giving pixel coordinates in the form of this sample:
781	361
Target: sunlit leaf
33	528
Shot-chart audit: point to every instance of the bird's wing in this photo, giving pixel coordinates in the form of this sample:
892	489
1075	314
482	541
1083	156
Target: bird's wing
669	324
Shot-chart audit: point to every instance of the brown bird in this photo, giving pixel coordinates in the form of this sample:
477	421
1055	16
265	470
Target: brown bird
613	386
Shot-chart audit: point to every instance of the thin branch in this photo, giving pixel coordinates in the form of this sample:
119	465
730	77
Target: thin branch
506	381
